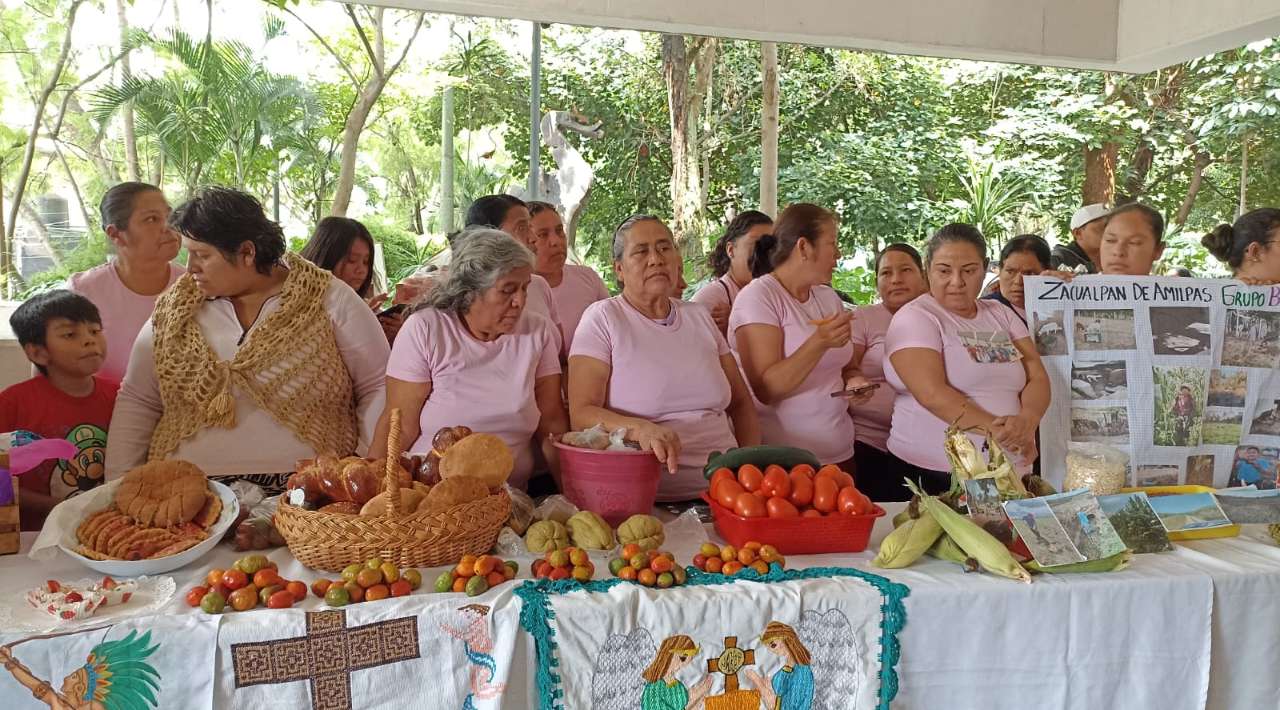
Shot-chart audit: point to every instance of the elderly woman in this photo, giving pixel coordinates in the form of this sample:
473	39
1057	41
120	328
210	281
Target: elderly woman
1024	255
899	280
471	355
511	215
730	264
255	359
344	247
792	335
1246	246
135	216
573	287
954	358
658	367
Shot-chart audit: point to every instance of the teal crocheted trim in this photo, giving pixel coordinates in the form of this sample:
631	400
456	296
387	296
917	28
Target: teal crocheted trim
536	615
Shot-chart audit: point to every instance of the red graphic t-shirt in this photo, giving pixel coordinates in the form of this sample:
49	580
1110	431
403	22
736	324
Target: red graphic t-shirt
37	406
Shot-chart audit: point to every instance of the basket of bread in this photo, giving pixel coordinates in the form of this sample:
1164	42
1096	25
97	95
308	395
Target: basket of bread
339	512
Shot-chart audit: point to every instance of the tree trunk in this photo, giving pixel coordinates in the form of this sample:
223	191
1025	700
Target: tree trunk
1100	174
1193	188
683	107
769	129
1135	179
75	187
446	161
1244	175
6	255
24	173
42	232
132	166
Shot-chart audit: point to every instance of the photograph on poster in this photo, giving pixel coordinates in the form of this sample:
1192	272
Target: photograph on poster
1179	331
1158	474
1049	332
1103	425
1222	426
1085	524
1254	466
1200	470
1136	522
1042	531
1252	339
1178	411
1228	388
1099	380
1110	329
1266	417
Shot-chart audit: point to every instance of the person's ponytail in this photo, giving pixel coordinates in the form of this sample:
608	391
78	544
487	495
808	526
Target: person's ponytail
761	261
1219	242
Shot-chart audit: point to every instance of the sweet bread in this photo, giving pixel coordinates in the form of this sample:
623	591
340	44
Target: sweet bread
162	493
453	491
482	456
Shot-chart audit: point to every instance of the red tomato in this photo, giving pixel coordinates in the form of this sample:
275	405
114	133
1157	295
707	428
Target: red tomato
720	474
195	595
804	468
727	493
780	508
776	482
801	488
833	472
749	506
759	493
865	506
847	500
825	491
750	477
810	513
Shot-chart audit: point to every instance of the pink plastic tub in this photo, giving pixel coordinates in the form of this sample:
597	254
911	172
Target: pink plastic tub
615	484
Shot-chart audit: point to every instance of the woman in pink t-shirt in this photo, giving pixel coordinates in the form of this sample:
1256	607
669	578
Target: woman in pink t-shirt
135	216
899	280
657	366
954	358
730	264
469	355
573	287
791	333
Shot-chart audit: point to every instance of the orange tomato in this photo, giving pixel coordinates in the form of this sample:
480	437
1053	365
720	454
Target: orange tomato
825	491
714	565
267	577
495	578
811	513
750	477
234	579
731	567
847	500
214	577
780	508
727	493
760	566
749	506
630	550
728	553
803	469
357	592
721	474
459	584
834	472
865	506
297	589
747	555
753	545
376	592
466	566
801	488
661	564
282	599
647	577
776	482
486	564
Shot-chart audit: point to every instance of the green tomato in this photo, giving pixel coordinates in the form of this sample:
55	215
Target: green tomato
337	596
213	603
444	583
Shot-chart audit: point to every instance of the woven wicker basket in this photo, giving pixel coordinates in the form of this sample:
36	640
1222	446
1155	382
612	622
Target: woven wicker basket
331	541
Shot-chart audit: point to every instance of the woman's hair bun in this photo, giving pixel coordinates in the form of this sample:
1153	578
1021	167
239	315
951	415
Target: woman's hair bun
1220	241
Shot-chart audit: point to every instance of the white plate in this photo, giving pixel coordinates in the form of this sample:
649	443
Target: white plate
17	614
102	497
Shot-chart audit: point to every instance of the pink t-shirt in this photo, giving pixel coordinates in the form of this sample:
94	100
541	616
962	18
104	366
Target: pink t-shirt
809	417
668	374
123	312
872	419
487	386
916	435
580	287
717	292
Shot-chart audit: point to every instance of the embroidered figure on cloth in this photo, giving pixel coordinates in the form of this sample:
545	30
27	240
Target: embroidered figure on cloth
729	663
326	656
473	631
116	676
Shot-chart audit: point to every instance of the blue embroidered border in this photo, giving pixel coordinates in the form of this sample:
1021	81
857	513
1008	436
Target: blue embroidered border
536	615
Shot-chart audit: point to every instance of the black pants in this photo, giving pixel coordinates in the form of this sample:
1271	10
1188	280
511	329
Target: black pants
880	475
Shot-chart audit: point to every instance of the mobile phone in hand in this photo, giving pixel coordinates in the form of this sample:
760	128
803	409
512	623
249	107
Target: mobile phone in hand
393	311
857	391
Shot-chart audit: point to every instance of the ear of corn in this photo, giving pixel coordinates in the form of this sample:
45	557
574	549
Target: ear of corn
1001	468
907	542
1037	486
946	549
976	542
1118	561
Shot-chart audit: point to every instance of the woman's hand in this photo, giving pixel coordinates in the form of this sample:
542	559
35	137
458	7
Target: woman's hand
720	314
858	382
833	332
391	324
375	302
1017	434
663	442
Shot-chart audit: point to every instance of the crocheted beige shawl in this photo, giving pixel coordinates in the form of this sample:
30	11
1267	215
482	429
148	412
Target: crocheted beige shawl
289	365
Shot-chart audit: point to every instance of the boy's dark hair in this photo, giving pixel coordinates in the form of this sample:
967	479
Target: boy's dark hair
30	322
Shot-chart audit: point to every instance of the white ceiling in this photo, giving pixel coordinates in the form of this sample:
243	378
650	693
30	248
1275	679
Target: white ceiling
1123	35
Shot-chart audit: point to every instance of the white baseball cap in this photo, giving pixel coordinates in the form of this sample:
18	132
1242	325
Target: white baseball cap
1089	213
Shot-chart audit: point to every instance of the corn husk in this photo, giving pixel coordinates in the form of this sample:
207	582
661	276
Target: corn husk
908	541
946	549
1118	561
976	542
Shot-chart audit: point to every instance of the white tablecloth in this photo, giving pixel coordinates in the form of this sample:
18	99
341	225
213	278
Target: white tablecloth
1193	628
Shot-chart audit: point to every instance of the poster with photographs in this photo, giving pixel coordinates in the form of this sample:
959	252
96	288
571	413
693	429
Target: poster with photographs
1179	375
1064	528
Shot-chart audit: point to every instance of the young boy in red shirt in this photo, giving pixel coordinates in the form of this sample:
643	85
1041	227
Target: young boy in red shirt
61	334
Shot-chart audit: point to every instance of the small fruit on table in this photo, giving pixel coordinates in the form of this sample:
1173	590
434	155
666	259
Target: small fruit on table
337	595
213	603
195	594
730	560
651	568
282	599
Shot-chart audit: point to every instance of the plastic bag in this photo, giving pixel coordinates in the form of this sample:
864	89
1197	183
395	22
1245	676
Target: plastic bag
509	545
618	441
257	531
521	510
595	438
1102	469
557	508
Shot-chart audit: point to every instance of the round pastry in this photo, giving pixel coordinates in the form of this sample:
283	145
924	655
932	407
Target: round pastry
162	493
453	491
482	456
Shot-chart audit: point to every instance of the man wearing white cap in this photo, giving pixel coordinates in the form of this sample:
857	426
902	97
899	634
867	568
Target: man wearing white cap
1087	226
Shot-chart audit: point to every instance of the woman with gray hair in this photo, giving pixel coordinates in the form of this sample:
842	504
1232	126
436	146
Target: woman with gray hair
465	356
657	366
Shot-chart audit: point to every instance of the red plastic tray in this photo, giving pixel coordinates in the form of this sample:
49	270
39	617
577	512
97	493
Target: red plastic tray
796	536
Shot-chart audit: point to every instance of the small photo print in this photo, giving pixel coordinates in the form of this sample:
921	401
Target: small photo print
1200	470
1228	388
1249	506
1252	339
1105	330
1179	331
1222	426
1157	475
1191	511
1103	425
1099	380
1049	332
1254	466
989	346
1266	417
983	500
1136	522
1040	529
1086	526
1178	411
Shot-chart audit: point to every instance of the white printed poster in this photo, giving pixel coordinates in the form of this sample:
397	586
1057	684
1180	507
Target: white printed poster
1178	374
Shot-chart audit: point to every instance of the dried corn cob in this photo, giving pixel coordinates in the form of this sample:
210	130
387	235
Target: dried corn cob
1001	468
1274	529
908	541
966	461
1037	486
976	542
1118	561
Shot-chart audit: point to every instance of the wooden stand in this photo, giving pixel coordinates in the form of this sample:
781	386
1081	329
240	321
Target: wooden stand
10	525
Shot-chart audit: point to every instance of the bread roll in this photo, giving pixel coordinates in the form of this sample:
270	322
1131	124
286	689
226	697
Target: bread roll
482	456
